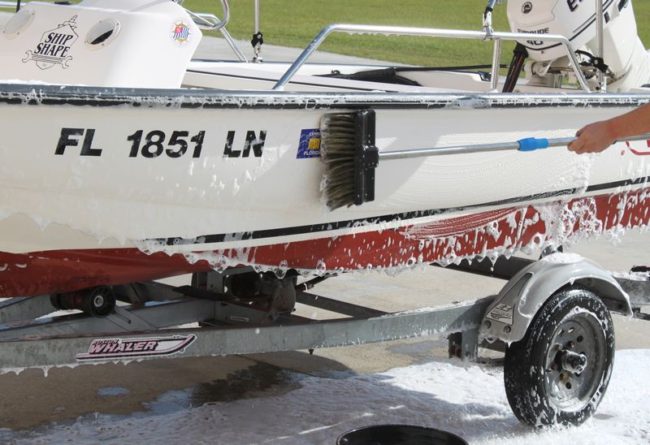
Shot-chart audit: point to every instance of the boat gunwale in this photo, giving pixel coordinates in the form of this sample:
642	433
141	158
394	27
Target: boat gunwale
29	94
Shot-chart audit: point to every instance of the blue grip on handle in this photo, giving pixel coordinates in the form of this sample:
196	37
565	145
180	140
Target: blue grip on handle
532	144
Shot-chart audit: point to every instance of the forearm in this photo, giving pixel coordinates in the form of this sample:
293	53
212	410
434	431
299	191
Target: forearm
635	122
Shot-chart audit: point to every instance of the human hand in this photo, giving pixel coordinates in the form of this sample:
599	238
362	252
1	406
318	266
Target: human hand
593	138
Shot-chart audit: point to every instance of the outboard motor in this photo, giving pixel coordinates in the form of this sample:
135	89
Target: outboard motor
111	43
625	61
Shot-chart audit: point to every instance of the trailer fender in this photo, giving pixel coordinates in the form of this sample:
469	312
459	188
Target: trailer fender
508	317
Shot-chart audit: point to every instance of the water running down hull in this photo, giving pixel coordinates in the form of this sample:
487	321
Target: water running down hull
483	233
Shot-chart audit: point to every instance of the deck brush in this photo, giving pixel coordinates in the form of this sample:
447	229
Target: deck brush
351	157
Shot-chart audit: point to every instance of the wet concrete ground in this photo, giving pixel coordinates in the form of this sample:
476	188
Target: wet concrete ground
31	399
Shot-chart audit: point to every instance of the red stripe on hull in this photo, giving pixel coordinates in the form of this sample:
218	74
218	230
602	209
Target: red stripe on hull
504	230
39	273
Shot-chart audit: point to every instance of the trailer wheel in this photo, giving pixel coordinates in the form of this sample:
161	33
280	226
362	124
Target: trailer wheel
559	371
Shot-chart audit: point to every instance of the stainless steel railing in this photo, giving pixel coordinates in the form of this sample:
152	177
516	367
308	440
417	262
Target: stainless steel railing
429	32
211	22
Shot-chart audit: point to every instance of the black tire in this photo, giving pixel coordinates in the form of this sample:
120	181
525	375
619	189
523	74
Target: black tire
559	372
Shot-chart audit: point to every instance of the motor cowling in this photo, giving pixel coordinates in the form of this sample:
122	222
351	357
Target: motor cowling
623	53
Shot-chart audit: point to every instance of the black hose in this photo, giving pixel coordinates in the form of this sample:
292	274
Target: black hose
519	56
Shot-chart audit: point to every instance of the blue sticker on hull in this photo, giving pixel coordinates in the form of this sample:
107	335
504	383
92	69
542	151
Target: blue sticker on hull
309	146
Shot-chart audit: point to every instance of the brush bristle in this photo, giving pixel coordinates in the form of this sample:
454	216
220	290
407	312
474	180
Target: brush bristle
338	151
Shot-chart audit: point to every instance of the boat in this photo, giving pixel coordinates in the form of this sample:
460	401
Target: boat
126	160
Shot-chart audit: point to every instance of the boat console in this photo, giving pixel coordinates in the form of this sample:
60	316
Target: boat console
124	43
150	44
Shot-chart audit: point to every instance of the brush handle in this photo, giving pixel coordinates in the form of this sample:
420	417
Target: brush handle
523	145
532	144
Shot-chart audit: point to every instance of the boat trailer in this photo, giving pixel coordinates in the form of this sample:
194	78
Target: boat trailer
241	311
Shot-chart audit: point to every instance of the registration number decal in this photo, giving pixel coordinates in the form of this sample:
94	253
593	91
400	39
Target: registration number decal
151	144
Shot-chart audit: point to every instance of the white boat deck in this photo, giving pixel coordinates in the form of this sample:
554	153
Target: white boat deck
322	77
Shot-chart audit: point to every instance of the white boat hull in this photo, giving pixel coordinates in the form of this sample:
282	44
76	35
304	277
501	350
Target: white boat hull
88	170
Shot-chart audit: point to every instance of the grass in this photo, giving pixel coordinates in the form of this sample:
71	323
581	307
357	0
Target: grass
295	22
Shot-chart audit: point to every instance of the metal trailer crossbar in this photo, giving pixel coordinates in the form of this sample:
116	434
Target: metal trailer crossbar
551	315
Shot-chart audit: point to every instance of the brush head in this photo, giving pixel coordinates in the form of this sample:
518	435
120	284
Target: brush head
350	156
